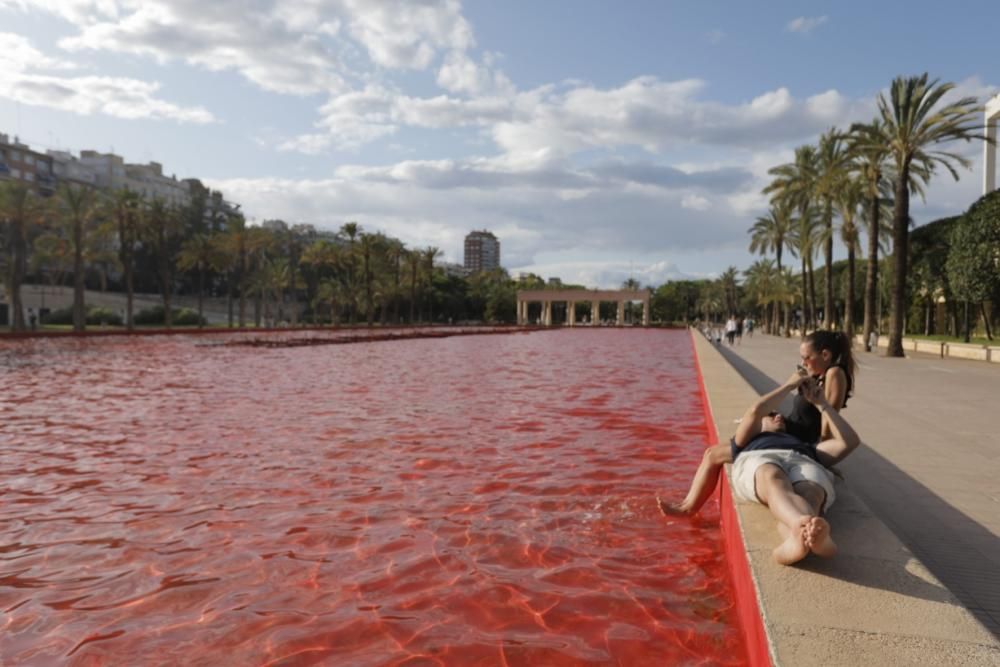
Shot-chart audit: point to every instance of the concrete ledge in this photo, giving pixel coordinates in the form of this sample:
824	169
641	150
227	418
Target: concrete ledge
873	604
967	351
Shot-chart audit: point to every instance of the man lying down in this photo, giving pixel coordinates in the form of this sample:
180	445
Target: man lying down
789	476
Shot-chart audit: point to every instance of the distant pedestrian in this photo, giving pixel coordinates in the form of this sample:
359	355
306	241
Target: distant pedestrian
730	330
748	325
32	319
873	340
739	330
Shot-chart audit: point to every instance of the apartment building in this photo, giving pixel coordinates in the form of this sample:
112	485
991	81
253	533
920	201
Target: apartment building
19	163
482	251
67	167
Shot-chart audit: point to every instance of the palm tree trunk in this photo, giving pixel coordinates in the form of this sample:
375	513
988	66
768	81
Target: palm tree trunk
129	293
828	312
900	229
849	309
814	316
986	320
79	313
18	257
201	296
871	280
805	294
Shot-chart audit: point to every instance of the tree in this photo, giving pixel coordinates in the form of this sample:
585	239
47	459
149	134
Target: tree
915	122
200	253
973	263
76	207
771	233
846	199
21	211
729	289
831	163
351	231
124	207
761	285
794	185
428	255
162	229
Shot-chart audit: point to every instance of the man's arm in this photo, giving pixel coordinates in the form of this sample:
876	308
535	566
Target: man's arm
750	422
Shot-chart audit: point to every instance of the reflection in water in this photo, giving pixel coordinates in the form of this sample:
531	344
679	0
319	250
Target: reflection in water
467	500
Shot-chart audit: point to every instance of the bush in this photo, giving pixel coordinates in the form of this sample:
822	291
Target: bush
95	316
154	315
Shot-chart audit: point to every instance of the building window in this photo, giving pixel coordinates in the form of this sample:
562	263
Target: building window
28	160
29	176
16	173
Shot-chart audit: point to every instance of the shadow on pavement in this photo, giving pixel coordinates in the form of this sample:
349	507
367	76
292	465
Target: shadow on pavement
966	560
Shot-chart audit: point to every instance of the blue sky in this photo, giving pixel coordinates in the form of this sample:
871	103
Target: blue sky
598	140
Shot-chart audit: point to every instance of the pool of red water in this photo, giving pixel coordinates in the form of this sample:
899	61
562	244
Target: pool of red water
480	500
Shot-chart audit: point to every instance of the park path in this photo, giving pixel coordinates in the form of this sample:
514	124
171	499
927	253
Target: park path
929	466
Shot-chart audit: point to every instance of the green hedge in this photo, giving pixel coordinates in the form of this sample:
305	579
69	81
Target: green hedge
94	316
154	315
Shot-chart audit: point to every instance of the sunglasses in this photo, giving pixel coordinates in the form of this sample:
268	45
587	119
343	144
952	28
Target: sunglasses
773	413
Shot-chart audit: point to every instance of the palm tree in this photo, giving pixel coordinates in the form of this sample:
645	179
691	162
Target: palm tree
760	285
413	262
429	254
199	253
162	229
832	160
20	210
326	260
729	288
76	206
770	233
805	235
847	199
794	186
233	244
914	128
351	230
124	208
868	145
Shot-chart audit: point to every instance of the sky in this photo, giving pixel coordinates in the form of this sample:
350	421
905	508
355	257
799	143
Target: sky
598	140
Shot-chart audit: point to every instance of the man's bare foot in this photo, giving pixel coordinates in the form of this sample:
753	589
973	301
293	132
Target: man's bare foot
794	548
673	509
818	537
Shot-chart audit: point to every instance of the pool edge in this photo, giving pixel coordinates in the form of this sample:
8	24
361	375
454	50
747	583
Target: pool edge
745	586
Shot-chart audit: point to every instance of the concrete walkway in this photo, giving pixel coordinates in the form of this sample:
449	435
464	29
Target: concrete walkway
929	467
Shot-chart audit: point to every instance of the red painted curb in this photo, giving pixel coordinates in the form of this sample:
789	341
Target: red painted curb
747	610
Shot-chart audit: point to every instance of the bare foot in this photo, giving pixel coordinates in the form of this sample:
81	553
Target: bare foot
794	548
673	509
818	537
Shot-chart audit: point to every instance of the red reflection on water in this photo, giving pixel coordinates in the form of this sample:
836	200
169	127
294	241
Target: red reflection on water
461	501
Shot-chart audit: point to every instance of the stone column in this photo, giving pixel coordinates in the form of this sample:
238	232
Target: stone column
547	309
595	313
645	313
571	313
621	313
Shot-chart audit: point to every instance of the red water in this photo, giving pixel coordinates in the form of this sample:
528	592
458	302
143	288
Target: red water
483	500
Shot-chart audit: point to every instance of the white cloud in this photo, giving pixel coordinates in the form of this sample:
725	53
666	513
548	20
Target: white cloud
715	36
806	24
85	95
18	55
695	202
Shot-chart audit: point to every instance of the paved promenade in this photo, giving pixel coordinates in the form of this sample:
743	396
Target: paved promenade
929	467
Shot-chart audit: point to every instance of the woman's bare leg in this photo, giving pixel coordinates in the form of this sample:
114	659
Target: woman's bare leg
706	478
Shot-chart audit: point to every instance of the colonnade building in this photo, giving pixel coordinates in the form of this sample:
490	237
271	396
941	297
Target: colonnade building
571	297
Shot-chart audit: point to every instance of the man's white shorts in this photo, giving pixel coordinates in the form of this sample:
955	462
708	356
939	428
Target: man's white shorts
798	467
